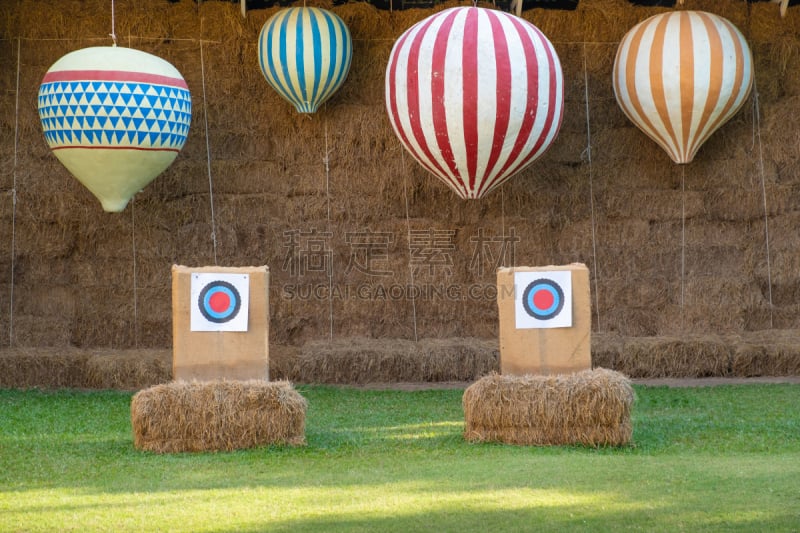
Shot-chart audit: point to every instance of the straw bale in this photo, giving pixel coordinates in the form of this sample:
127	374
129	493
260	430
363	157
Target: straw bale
557	25
654	204
281	358
34	330
772	359
698	319
46	302
128	369
692	356
605	349
765	22
609	20
581	235
217	415
652	293
42	367
362	360
590	408
646	264
762	316
748	204
366	22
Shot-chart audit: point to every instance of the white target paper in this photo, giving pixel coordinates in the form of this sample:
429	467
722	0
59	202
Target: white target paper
543	299
219	302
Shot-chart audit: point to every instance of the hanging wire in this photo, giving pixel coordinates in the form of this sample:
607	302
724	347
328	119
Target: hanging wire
326	161
113	33
757	128
683	240
503	224
14	202
588	153
135	288
208	152
408	226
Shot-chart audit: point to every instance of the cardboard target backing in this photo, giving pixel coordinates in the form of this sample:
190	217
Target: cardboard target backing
216	351
541	294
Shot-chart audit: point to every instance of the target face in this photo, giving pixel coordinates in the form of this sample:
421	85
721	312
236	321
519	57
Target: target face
543	299
219	302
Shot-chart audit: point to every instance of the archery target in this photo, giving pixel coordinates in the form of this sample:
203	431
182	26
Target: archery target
543	299
219	302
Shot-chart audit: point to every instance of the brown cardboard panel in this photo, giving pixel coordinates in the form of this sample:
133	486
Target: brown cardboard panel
551	350
207	355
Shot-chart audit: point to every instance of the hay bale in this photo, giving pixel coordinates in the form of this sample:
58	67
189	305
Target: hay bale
693	356
766	353
219	415
128	369
605	349
48	368
591	407
362	360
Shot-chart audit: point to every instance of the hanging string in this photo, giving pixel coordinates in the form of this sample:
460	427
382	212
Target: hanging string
14	202
503	224
408	226
588	153
208	150
326	161
113	33
683	239
757	127
135	288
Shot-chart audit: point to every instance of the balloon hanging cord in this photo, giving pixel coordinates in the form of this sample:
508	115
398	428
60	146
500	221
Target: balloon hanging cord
326	161
757	133
208	152
683	240
588	153
113	34
408	225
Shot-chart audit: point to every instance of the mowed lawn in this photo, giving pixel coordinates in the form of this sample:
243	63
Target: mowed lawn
721	458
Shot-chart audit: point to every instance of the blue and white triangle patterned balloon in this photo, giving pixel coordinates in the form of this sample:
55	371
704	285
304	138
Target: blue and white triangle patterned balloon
115	117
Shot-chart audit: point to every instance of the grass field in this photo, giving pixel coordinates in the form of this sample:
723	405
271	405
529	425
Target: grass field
704	459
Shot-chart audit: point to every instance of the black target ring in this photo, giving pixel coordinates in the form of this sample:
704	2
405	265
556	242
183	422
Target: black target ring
552	289
211	294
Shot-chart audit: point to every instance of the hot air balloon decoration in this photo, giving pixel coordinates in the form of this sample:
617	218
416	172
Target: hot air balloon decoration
679	76
305	55
475	95
115	117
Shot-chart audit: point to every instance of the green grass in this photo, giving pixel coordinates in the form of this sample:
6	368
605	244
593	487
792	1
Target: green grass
704	459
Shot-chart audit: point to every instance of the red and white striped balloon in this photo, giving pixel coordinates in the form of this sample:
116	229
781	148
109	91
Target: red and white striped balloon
475	95
679	76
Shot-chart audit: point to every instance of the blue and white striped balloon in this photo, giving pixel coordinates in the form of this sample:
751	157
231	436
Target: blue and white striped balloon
305	55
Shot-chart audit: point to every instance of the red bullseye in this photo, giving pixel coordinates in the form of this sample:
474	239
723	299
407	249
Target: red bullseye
219	302
543	299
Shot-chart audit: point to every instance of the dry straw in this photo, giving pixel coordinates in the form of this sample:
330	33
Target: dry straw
692	357
592	408
269	179
217	416
384	361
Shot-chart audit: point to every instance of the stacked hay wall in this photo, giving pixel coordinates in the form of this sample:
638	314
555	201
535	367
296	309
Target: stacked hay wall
360	241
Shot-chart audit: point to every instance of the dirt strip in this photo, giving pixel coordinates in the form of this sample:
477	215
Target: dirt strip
654	382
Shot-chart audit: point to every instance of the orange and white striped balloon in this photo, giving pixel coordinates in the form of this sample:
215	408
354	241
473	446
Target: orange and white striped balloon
679	76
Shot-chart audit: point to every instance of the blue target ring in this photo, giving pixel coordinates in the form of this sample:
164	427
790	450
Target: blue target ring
219	302
543	299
